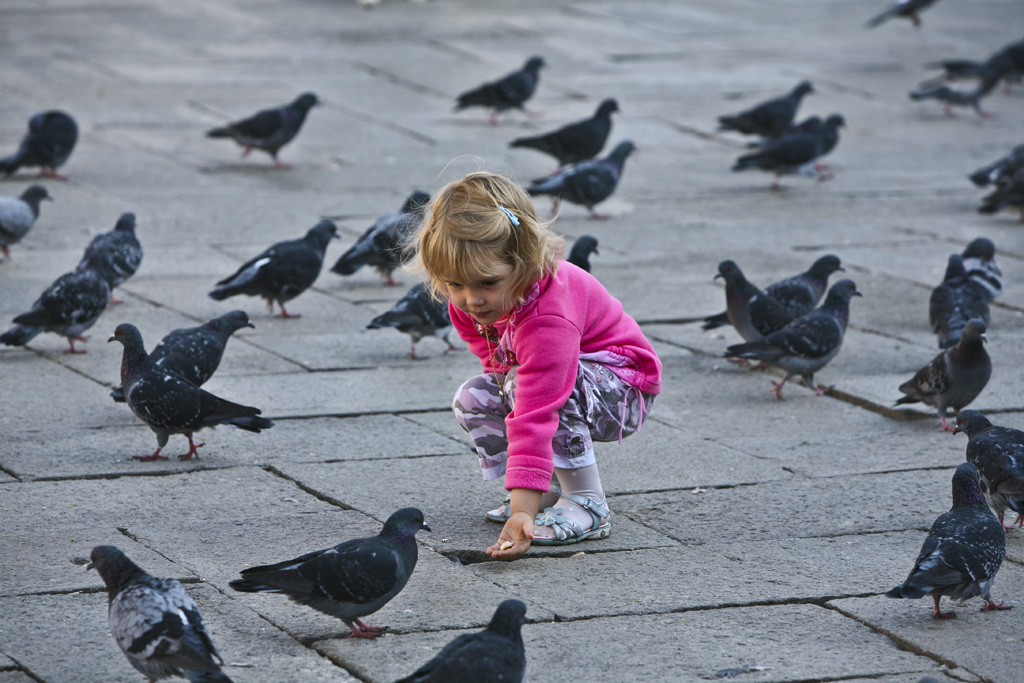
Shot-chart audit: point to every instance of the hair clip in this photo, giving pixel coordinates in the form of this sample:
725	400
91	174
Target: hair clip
511	216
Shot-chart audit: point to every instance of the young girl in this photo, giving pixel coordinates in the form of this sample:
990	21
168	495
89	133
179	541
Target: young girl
564	366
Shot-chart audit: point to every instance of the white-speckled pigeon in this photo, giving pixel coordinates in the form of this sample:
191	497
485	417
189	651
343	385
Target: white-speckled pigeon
953	378
493	655
795	153
119	251
269	129
582	248
956	98
588	183
170	404
998	453
964	550
1003	167
383	244
770	119
418	315
194	352
908	9
508	92
50	139
955	301
155	623
808	343
351	580
1008	193
281	272
575	142
18	215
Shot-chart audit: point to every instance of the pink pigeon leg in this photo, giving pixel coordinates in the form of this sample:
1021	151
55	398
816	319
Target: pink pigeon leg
939	614
989	605
193	449
778	387
286	314
71	344
155	455
47	172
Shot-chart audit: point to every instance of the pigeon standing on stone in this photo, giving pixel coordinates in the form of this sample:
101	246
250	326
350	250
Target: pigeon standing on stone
1008	193
808	343
194	353
998	453
282	272
956	98
582	248
120	252
1003	167
794	153
1007	63
908	9
50	139
493	655
269	129
575	142
419	315
351	580
955	301
18	215
770	119
170	404
508	92
588	183
953	378
980	264
383	243
154	621
964	550
752	312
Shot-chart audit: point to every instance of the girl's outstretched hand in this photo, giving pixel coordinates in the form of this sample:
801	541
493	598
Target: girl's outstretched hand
518	531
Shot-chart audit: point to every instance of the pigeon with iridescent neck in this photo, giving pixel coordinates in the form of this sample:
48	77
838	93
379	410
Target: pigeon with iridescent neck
998	453
753	313
770	119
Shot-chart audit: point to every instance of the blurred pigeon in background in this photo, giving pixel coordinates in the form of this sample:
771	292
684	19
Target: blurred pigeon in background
1008	194
958	299
980	264
998	453
1007	63
575	142
1003	167
50	139
770	119
119	253
588	183
382	244
508	92
908	9
582	248
269	129
955	98
419	315
18	215
750	311
794	153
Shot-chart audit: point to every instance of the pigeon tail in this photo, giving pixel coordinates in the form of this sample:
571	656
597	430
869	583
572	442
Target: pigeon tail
718	320
251	423
19	335
9	165
206	676
907	591
224	292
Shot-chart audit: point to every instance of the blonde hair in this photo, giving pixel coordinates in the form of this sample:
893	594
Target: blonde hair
467	231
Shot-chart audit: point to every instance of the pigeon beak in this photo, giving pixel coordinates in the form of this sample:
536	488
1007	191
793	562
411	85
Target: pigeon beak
841	269
250	325
91	565
856	293
425	527
113	338
717	276
983	338
957	430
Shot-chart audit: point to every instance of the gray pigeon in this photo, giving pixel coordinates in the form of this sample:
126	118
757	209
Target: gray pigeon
419	315
170	404
955	98
770	119
1007	194
806	344
953	378
193	353
18	215
351	580
955	301
582	248
796	152
508	92
908	9
493	655
1007	63
964	550
1002	168
119	252
269	129
998	453
281	272
155	622
753	313
588	183
50	139
575	142
383	244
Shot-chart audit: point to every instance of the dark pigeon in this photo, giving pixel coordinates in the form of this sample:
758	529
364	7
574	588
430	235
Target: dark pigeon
269	129
953	378
964	550
119	251
955	98
588	183
50	139
808	343
508	92
1008	194
908	9
351	580
170	404
193	353
18	215
998	453
955	301
493	655
1002	168
419	315
155	622
383	244
282	272
752	312
1007	64
575	142
582	248
794	153
770	119
980	264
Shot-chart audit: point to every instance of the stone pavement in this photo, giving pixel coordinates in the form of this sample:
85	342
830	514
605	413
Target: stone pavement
748	532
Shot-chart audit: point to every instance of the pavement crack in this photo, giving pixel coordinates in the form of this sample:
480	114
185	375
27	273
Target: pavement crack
319	495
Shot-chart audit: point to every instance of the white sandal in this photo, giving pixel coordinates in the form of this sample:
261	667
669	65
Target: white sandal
566	530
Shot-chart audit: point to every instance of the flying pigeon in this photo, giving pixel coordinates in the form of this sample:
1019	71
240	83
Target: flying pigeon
419	315
282	272
770	119
170	404
50	139
119	250
351	580
155	622
962	553
383	243
953	378
582	248
269	129
909	9
508	92
193	353
796	152
575	142
998	453
588	183
1008	193
955	301
493	655
752	312
18	215
1002	168
68	307
808	343
955	98
798	294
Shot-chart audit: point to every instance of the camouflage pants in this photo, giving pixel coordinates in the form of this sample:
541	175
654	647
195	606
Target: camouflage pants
601	408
